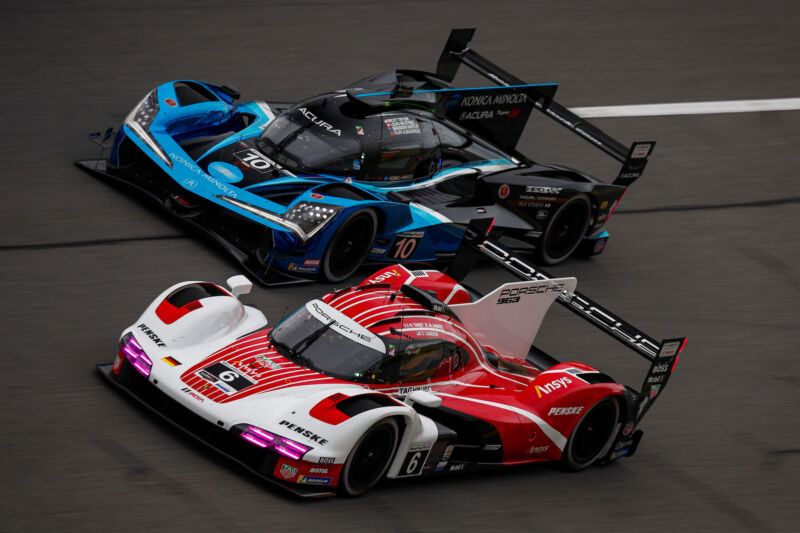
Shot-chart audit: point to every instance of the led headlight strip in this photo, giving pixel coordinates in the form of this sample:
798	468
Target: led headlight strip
139	121
304	219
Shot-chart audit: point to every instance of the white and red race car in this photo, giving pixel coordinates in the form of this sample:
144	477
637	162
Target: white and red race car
410	373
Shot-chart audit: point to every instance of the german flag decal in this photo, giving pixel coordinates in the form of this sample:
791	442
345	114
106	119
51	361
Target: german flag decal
170	361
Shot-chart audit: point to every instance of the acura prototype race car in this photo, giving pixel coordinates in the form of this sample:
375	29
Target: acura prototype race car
411	373
389	169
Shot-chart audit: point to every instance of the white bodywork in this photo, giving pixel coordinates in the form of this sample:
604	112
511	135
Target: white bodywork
221	321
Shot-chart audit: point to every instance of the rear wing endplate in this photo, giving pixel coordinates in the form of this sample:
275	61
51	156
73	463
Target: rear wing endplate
457	51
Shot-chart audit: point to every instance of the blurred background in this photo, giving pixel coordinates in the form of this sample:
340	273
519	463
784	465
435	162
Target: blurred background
704	245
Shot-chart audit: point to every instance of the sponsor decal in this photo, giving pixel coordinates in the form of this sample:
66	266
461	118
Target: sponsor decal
359	130
193	394
457	467
453	102
537	450
314	480
316	196
448	452
655	379
604	204
354	332
628	428
402	391
170	102
307	433
660	368
385	276
200	173
533	234
654	390
377	251
190	183
640	151
493	99
547	388
440	466
536	189
492	447
319	122
541	214
476	115
401	125
356	164
288	472
326	460
563	411
294	267
317	470
171	361
254	159
311	262
599	246
669	349
153	337
269	362
510	296
504	191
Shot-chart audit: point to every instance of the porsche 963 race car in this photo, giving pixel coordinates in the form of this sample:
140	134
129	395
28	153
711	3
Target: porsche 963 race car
409	374
390	169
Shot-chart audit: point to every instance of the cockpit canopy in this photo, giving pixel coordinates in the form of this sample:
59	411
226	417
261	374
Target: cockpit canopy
330	134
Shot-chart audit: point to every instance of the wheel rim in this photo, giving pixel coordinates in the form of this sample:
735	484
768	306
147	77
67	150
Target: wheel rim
371	458
566	230
350	247
594	432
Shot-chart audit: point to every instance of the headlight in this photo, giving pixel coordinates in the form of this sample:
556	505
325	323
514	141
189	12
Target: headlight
311	217
305	219
139	121
134	353
265	439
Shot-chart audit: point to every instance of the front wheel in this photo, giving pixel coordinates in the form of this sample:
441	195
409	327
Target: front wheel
593	435
349	246
370	458
564	231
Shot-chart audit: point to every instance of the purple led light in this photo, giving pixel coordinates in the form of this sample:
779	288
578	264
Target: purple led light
250	438
141	368
288	453
136	344
291	444
261	433
130	352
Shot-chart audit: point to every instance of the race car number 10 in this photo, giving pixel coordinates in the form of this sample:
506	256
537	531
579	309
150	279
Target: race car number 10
405	245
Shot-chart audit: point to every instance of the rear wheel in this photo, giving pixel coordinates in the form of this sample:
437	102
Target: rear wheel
593	435
564	231
370	458
349	246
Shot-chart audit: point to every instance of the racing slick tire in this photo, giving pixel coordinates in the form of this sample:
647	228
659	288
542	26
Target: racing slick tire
370	458
565	230
593	435
349	246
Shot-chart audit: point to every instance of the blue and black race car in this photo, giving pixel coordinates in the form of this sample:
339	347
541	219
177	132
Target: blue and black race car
389	169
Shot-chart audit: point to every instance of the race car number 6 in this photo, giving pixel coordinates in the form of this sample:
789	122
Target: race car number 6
228	375
413	463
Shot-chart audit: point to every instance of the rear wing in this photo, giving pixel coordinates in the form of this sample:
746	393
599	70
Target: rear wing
457	51
663	356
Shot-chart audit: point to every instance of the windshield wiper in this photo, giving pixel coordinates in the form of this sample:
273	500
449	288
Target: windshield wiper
306	341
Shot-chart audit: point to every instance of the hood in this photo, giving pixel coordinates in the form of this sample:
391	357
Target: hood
248	366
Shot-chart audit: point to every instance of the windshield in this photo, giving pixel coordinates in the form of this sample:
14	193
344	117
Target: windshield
299	143
325	340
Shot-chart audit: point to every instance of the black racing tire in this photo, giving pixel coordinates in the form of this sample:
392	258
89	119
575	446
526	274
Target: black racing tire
349	246
565	230
593	435
370	458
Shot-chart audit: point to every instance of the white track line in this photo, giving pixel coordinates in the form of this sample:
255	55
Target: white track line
689	108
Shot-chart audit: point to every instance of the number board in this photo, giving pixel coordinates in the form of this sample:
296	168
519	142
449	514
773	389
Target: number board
405	244
225	378
414	463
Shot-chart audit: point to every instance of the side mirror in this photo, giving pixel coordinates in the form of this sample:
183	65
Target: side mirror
423	398
239	285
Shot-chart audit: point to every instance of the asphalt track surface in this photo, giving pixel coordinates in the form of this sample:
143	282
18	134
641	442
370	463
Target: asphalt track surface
704	245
